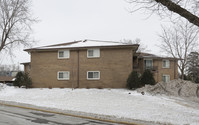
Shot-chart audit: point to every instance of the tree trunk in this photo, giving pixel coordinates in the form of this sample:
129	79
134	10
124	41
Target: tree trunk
182	73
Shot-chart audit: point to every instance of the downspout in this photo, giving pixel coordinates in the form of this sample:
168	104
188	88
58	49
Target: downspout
174	69
158	71
77	68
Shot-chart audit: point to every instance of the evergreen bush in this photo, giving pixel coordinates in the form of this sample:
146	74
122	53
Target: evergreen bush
197	80
23	79
133	81
147	78
27	81
19	79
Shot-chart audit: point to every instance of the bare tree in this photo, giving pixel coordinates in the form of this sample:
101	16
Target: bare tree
15	23
178	41
141	47
185	8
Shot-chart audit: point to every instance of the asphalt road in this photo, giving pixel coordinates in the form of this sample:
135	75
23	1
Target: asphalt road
19	116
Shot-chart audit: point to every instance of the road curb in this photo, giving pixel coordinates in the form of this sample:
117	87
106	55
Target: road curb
105	118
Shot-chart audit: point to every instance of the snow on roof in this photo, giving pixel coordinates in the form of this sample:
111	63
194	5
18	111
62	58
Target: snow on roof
149	55
83	44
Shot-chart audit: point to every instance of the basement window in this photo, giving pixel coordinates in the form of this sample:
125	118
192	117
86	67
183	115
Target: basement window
63	54
63	75
93	75
93	53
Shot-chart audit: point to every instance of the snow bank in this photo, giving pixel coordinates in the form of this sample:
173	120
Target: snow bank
120	103
174	88
2	86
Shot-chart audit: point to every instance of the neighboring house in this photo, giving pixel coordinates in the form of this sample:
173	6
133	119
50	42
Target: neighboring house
163	68
92	64
8	73
7	76
7	79
14	73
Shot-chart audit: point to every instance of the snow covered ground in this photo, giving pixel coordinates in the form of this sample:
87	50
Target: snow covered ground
120	103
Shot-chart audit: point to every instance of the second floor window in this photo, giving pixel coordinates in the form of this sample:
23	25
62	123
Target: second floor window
93	53
63	54
165	63
148	63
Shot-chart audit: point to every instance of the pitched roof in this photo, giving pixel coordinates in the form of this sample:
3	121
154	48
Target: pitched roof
6	78
153	56
84	44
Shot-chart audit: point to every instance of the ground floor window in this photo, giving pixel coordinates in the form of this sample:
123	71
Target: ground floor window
63	75
166	78
92	75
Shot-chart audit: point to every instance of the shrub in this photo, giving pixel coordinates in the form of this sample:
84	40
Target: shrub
23	79
19	79
27	81
99	87
133	81
147	78
50	87
197	80
187	77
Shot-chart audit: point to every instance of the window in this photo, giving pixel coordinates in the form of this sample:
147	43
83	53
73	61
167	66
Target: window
148	63
93	53
166	78
63	54
92	75
63	75
165	63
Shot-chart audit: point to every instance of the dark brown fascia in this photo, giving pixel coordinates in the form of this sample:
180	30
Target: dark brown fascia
160	58
25	63
135	46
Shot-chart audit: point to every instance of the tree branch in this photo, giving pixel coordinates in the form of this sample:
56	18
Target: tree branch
179	10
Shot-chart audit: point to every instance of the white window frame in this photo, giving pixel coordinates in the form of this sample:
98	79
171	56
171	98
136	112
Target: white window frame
166	64
166	76
94	56
63	78
93	78
150	60
65	51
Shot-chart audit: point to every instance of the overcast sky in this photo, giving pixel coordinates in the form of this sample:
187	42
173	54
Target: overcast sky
69	20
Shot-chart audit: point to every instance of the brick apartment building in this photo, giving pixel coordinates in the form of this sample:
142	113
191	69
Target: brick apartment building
93	64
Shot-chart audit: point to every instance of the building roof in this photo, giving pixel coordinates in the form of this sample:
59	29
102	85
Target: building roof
84	44
25	63
6	78
153	56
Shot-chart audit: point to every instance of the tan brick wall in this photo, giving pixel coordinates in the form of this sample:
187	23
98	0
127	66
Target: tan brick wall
172	70
26	68
114	65
44	68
